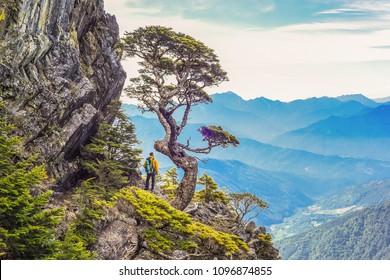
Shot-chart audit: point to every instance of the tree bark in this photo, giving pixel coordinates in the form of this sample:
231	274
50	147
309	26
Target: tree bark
189	164
186	189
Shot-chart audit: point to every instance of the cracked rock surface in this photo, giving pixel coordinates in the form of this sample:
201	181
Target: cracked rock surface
59	73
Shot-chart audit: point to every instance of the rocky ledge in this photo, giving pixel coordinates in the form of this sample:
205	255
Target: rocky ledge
127	234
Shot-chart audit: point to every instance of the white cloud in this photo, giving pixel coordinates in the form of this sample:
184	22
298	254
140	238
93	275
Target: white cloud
361	7
371	6
269	8
290	62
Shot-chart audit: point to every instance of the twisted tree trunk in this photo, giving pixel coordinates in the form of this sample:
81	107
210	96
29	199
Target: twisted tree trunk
186	189
189	164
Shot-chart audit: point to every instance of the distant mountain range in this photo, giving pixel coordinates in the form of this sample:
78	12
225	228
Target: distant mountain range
359	98
264	118
363	234
284	192
350	125
335	170
342	170
373	123
362	135
313	160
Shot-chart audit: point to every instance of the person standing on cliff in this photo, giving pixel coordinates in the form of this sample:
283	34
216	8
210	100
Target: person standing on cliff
151	169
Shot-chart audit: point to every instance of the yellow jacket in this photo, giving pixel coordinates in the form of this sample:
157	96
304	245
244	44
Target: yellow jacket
154	163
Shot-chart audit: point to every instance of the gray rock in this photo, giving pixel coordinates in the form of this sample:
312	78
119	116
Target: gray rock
259	230
118	240
59	73
250	227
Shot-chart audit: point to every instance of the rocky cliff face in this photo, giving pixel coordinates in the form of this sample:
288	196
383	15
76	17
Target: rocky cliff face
59	74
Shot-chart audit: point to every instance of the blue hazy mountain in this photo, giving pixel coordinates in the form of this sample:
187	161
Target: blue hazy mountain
264	119
335	170
269	118
362	135
371	124
384	100
363	234
297	113
283	192
337	204
359	98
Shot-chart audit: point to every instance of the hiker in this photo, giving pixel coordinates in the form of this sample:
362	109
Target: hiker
151	168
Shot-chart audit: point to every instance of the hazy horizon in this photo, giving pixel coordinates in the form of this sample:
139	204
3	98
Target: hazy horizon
378	100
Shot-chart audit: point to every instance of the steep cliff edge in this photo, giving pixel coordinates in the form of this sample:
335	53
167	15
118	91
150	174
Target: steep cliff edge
58	74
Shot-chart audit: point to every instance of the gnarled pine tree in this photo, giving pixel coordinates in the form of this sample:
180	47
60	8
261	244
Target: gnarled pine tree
175	70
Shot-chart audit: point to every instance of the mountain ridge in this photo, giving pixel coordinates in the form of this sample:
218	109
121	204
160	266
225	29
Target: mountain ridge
334	205
271	186
273	158
359	235
362	135
359	98
266	119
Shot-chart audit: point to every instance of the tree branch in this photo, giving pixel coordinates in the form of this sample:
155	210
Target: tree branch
205	150
185	118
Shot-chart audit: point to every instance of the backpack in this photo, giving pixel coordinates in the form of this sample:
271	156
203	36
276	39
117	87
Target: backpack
149	166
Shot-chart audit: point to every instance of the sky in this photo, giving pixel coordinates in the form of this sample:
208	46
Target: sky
279	49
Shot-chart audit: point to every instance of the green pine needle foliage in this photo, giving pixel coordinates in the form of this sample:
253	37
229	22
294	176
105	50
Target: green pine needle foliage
73	247
111	158
211	191
27	229
91	213
170	183
28	226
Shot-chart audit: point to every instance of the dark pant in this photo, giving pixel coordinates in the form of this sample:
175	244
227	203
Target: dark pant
148	176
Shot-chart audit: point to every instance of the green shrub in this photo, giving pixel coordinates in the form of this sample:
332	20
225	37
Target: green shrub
170	183
168	229
27	226
211	191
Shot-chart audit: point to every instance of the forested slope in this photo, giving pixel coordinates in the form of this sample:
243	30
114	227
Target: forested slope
363	234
